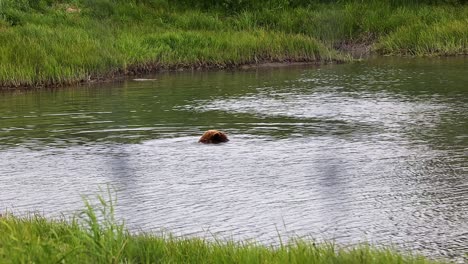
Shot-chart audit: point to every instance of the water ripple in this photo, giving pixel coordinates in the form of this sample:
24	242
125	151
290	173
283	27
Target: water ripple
352	153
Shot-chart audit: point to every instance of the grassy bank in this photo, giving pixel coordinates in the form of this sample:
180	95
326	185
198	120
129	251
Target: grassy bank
85	239
55	42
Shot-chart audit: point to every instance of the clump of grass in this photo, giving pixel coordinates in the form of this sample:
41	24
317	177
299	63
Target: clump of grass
43	43
95	236
53	47
92	236
30	58
447	38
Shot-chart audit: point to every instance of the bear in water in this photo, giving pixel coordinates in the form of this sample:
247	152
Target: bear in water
213	137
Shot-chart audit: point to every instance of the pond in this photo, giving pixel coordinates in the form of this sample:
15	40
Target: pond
371	152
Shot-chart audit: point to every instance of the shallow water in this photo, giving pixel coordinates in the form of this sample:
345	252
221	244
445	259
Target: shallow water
370	152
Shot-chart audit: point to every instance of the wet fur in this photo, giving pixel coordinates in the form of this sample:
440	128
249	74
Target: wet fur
213	137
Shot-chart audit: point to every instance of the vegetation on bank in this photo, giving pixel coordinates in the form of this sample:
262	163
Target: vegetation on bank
96	237
52	42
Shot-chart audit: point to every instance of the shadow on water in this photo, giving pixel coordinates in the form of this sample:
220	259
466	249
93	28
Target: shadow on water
373	151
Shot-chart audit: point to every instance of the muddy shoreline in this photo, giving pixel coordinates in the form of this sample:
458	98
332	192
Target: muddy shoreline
141	70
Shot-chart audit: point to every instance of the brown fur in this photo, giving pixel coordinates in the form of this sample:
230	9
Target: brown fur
213	137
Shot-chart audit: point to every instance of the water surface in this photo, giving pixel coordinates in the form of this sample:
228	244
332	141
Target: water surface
370	152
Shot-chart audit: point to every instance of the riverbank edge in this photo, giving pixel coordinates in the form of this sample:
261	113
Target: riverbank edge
77	42
350	53
96	237
143	69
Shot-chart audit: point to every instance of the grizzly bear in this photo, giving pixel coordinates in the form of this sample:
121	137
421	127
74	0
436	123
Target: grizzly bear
213	137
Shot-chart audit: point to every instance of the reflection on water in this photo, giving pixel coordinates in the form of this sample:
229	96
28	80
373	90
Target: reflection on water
372	152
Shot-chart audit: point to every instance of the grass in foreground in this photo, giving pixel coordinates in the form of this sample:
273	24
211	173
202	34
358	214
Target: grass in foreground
55	42
96	237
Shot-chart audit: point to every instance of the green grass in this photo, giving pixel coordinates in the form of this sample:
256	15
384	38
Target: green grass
445	38
44	44
95	236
